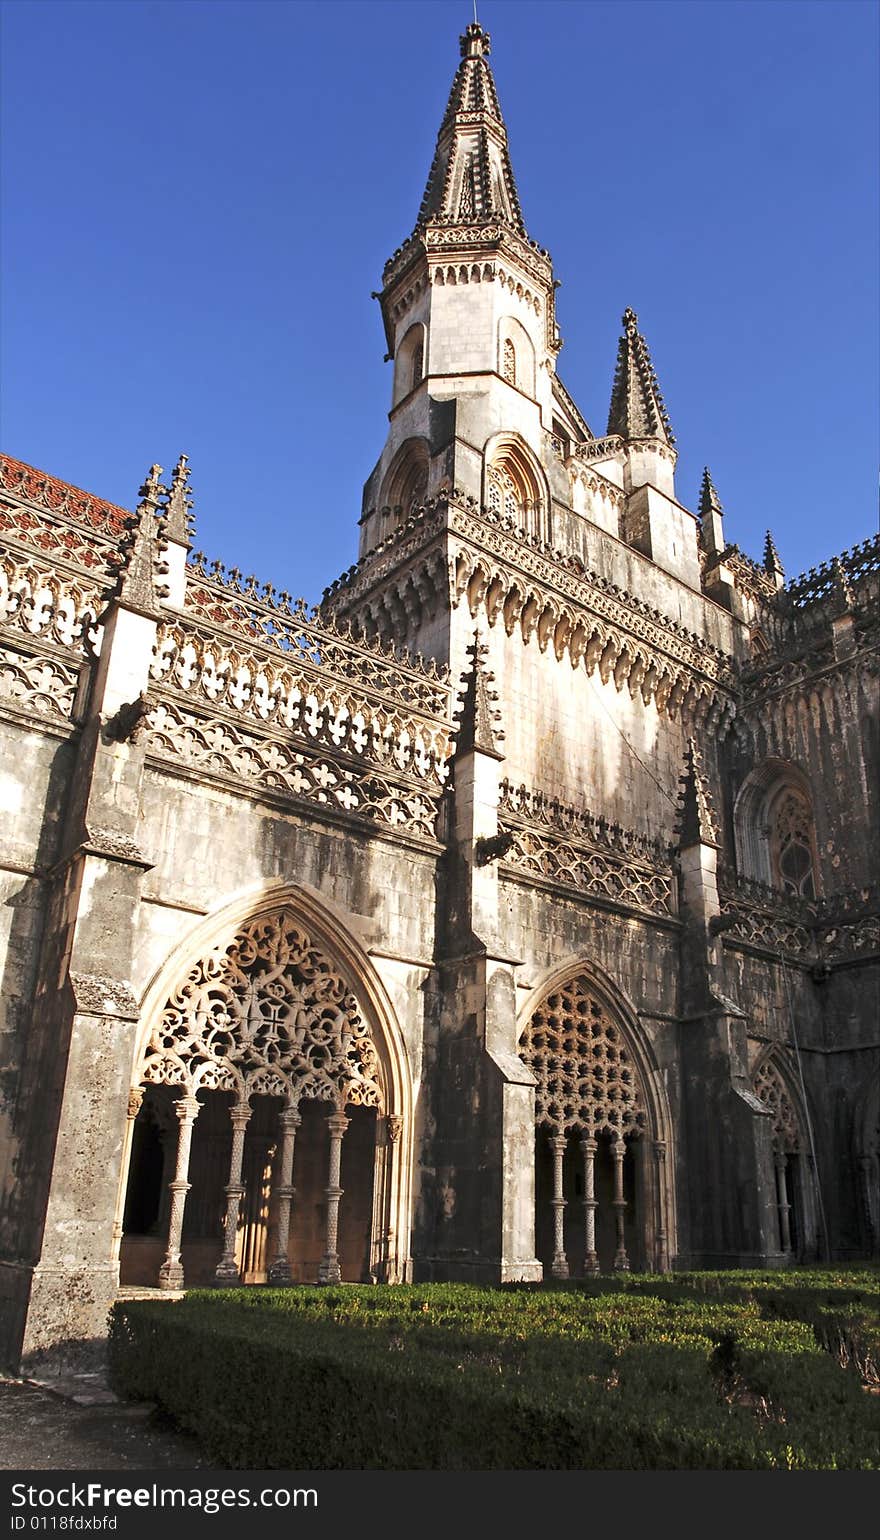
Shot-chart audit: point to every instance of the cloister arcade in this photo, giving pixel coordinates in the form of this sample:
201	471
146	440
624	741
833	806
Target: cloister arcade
271	1082
603	1196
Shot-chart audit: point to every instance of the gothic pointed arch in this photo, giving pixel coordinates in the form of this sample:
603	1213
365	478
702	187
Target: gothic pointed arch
775	829
775	1085
516	355
410	360
406	482
515	486
267	1030
601	1109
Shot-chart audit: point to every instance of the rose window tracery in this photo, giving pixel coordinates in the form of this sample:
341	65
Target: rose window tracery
585	1073
267	1013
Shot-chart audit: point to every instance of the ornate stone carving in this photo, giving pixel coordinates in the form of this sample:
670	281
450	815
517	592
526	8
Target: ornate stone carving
585	1075
98	995
39	684
57	497
770	1088
267	1013
215	747
44	605
115	844
306	701
55	540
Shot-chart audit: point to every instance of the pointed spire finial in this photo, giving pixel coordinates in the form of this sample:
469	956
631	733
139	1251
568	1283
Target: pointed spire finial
471	178
135	583
474	42
711	513
772	564
179	524
477	717
637	408
710	502
695	818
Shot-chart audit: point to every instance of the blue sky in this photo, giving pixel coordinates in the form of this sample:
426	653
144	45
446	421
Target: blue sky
199	197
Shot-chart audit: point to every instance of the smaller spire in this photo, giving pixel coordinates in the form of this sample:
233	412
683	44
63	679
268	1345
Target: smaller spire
179	524
695	819
637	408
772	565
711	515
710	502
135	585
477	717
842	594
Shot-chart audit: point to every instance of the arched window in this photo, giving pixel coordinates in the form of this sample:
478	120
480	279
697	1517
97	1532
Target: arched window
775	830
503	495
418	366
792	854
513	489
591	1114
263	1030
792	1169
509	362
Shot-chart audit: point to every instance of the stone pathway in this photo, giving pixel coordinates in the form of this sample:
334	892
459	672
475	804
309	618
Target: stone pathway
80	1425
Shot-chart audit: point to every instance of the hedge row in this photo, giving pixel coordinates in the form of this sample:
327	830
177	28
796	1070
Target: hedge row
450	1377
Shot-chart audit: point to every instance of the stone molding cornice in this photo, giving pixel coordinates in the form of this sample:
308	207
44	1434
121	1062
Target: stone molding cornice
549	595
801	674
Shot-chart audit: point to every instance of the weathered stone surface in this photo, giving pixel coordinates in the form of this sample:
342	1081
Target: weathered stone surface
308	973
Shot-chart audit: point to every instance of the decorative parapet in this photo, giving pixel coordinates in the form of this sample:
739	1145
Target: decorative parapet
257	762
298	697
765	918
848	924
820	583
226	601
41	685
566	845
600	448
47	606
840	928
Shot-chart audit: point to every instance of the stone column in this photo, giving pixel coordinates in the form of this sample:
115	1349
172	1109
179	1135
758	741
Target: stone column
187	1110
559	1265
279	1271
135	1102
661	1243
227	1269
621	1260
328	1272
588	1150
782	1199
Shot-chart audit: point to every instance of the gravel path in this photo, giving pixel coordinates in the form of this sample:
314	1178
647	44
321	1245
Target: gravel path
42	1429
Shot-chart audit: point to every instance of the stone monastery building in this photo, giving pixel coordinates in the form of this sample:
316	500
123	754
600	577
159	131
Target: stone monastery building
513	914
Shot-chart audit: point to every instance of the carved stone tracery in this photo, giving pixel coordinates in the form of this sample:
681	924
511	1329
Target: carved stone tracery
770	1088
586	1076
268	1014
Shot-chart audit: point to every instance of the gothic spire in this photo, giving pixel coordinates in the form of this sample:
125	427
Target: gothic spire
772	564
135	584
711	515
178	515
710	502
637	408
695	820
471	177
478	720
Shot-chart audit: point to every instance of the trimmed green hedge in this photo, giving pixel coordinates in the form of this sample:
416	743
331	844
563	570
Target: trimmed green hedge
624	1374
